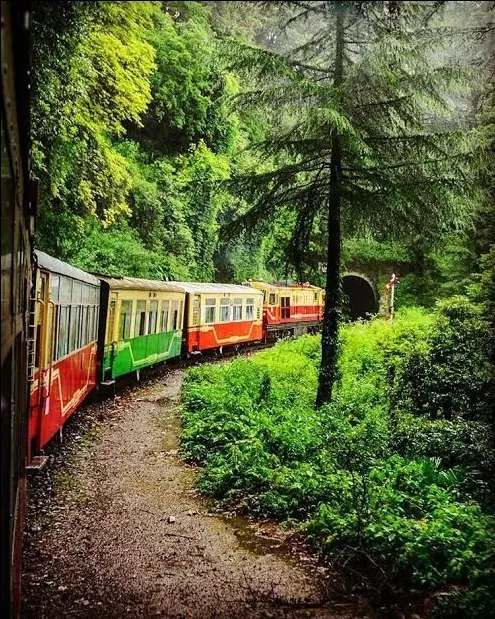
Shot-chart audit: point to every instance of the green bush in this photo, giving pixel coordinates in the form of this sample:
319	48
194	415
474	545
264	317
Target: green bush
395	469
448	374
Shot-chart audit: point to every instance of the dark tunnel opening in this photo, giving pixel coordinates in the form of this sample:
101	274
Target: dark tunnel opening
359	300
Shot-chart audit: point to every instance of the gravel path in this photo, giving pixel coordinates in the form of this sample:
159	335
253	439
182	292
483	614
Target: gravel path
123	533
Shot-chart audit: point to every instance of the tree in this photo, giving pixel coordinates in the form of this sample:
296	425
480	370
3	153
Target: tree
187	86
92	65
365	134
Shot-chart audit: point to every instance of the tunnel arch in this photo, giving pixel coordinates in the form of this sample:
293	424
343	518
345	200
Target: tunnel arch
359	296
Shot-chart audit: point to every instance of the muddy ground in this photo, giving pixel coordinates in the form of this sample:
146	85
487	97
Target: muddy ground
115	529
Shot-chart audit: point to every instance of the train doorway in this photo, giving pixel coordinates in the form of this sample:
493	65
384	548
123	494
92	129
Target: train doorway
359	298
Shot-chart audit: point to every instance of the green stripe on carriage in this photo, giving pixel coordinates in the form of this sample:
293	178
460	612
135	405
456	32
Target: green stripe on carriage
139	352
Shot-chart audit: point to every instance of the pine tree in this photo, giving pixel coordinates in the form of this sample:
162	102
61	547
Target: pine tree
366	136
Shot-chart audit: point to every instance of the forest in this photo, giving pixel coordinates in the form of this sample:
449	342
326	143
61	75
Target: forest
223	141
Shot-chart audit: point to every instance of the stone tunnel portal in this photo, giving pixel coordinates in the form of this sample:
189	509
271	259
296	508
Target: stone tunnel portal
359	298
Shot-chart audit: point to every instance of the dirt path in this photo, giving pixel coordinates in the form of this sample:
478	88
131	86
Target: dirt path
125	534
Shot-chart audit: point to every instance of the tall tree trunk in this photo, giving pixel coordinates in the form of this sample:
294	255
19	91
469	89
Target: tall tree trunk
330	329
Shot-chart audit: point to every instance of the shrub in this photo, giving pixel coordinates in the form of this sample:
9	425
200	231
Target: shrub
448	374
395	469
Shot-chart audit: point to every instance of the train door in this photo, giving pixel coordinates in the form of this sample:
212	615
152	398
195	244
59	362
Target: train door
194	337
110	340
39	361
284	307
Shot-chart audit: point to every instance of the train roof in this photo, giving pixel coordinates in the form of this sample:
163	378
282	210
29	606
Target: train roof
136	283
62	268
305	286
200	288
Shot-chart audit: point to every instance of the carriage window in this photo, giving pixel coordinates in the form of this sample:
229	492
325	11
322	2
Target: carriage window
224	309
316	297
140	318
271	300
56	318
65	290
111	319
249	308
74	327
175	315
165	313
42	292
181	314
80	339
153	315
55	288
84	326
97	314
237	309
195	316
89	324
125	320
63	331
258	309
76	293
285	305
210	313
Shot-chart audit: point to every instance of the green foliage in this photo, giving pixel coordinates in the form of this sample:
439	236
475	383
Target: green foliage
412	524
395	123
204	171
439	271
118	251
133	123
369	250
373	479
188	86
139	127
416	289
98	81
448	376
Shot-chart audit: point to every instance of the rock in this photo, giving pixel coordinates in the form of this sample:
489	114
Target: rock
171	519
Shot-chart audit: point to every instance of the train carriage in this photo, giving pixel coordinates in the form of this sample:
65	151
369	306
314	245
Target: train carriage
291	310
142	324
19	206
63	368
219	315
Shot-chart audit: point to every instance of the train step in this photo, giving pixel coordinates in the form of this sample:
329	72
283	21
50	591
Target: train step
37	463
107	387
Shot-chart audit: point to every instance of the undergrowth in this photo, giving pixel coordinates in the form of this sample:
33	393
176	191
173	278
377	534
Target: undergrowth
392	476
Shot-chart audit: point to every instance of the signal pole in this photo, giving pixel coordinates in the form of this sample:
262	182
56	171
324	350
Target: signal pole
391	286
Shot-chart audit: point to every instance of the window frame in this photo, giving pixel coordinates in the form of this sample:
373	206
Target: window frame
152	317
124	331
237	304
250	308
224	313
210	307
141	318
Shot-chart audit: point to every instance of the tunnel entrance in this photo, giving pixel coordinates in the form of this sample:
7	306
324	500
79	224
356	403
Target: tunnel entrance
359	300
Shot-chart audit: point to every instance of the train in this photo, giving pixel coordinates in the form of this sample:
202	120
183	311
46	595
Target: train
19	211
91	329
